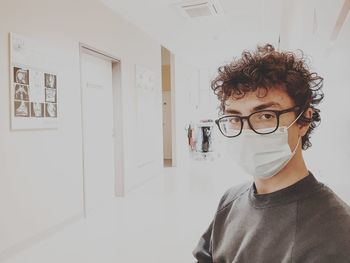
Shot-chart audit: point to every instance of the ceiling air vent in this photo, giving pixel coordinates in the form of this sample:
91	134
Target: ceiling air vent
199	8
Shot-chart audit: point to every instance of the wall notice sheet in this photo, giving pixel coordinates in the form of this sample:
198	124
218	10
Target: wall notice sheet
33	84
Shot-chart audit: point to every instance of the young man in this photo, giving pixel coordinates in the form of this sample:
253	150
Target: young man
268	100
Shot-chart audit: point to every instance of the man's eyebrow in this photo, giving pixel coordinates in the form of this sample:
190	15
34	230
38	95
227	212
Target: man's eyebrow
231	111
257	108
266	105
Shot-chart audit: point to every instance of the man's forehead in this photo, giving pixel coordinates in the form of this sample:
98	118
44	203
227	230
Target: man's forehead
273	94
277	98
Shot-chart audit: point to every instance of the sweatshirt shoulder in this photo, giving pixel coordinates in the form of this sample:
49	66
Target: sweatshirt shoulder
233	193
324	211
323	219
336	204
327	198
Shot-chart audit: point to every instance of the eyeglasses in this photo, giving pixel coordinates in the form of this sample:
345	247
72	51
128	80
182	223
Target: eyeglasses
261	122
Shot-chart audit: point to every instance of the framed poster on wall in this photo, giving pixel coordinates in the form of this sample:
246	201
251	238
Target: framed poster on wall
146	112
33	85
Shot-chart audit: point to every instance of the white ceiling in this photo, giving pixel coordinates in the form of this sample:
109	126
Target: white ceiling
209	41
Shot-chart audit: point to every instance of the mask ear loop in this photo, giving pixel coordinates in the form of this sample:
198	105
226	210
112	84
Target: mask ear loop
296	147
299	139
301	113
283	129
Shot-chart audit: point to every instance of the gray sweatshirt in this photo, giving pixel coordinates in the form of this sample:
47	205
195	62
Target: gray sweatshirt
305	222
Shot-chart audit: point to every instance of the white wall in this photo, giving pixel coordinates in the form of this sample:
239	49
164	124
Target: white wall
41	180
185	79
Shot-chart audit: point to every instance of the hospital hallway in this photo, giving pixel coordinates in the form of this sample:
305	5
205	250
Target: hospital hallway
160	221
117	140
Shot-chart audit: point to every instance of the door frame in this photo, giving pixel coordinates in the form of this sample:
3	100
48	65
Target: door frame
119	180
173	110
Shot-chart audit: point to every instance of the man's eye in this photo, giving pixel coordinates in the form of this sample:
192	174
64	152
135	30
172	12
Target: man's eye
234	120
267	116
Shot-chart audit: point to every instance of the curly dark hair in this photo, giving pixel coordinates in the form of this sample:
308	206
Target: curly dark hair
267	68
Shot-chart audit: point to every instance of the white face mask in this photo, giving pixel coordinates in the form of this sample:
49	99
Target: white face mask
262	156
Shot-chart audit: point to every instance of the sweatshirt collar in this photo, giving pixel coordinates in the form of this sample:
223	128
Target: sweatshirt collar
297	191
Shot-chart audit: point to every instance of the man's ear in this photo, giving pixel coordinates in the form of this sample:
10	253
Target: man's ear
304	128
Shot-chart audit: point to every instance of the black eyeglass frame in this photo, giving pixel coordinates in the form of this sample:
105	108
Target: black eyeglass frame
277	112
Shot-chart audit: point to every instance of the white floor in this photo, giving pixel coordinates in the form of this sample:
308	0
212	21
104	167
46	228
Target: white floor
160	222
